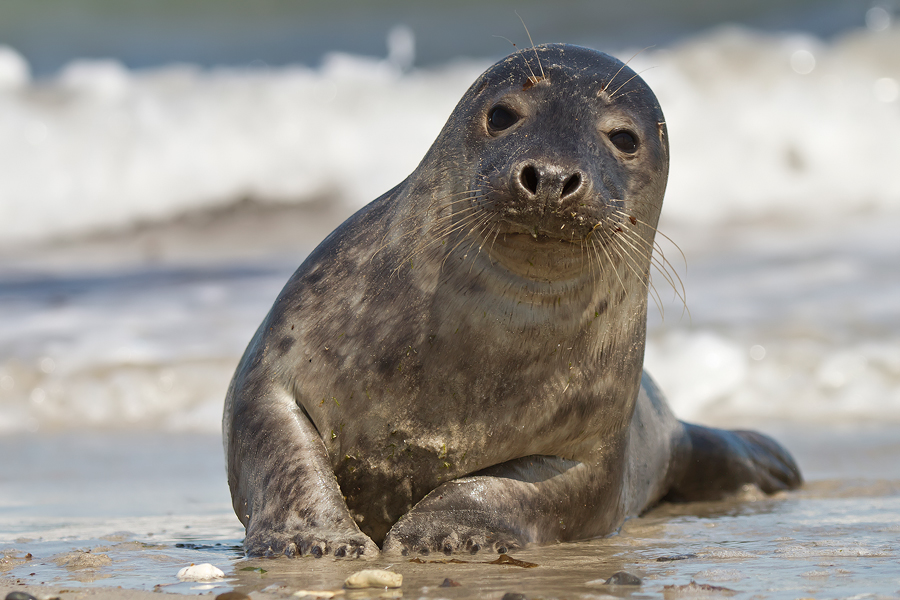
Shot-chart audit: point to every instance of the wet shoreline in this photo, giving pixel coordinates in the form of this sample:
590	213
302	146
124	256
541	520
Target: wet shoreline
836	533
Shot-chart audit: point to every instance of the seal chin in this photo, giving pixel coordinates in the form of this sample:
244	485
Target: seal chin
539	257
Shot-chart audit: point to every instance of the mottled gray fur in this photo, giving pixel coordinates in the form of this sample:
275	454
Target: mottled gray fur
459	365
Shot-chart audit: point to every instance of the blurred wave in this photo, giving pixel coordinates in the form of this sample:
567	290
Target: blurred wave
761	125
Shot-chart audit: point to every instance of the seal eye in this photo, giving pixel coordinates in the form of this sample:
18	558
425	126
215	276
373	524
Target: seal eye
500	118
624	141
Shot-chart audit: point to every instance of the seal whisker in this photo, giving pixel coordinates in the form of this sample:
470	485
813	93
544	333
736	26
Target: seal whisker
438	238
638	270
492	233
484	232
450	210
471	239
625	249
612	264
580	250
647	251
668	272
600	269
452	223
624	64
662	267
494	241
536	55
668	239
460	212
590	261
464	193
634	241
415	216
613	94
459	223
623	94
659	260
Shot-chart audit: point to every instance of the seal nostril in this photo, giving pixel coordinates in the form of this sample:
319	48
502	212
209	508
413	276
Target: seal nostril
572	184
529	179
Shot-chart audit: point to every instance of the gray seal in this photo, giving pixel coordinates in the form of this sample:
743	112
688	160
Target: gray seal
459	365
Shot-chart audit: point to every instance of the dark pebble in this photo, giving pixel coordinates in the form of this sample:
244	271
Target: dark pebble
623	578
514	596
450	583
20	596
675	557
233	596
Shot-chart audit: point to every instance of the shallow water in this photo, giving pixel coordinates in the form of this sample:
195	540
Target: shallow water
113	510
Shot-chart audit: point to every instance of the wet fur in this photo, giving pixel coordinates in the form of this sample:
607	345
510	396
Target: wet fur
458	366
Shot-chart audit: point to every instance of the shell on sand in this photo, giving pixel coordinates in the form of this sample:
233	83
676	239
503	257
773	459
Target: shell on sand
201	572
368	578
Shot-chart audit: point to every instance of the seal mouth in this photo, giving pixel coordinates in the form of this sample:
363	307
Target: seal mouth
575	230
536	254
539	238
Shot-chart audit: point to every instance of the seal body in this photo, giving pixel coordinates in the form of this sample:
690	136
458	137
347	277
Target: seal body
459	365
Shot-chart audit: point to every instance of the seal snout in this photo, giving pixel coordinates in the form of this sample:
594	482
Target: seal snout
547	184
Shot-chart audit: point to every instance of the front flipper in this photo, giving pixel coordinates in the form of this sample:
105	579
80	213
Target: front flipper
717	462
536	499
282	485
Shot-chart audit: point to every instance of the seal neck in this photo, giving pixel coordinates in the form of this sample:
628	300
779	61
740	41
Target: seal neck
589	299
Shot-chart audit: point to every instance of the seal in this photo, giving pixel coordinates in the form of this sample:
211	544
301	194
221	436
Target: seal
459	365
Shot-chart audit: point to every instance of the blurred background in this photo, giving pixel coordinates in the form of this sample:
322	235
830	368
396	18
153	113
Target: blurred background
164	166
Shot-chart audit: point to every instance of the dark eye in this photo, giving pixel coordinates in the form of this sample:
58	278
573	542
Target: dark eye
500	118
624	141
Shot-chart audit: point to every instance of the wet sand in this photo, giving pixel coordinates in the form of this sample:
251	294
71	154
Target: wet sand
836	536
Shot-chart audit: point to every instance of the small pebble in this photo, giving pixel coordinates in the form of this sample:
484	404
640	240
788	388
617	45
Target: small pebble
623	578
232	595
368	578
201	572
20	596
450	583
694	589
514	596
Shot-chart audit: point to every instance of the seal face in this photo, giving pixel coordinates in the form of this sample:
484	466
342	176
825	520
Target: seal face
459	365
